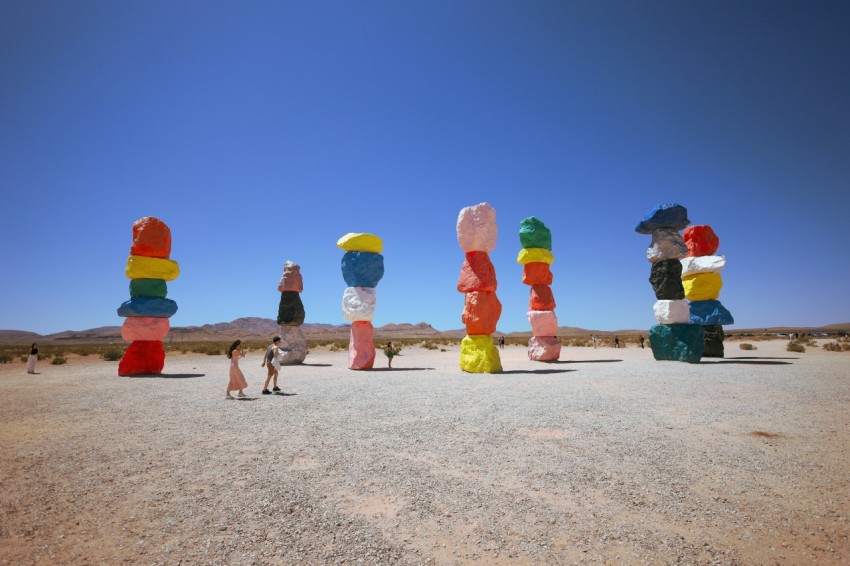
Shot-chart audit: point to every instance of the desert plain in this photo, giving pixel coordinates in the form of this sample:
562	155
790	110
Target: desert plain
606	456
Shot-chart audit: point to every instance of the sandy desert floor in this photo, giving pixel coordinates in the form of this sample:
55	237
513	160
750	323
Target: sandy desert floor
606	456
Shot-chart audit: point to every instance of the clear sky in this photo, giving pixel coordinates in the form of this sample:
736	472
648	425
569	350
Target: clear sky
264	131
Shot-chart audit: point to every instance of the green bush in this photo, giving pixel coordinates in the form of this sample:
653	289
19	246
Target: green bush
58	360
836	347
5	358
746	346
795	347
112	355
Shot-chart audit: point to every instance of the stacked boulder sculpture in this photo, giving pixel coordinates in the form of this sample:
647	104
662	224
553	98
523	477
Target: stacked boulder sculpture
702	282
148	310
290	315
362	269
536	258
674	337
477	234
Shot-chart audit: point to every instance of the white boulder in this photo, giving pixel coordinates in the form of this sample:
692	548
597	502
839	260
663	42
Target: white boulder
702	264
358	303
672	312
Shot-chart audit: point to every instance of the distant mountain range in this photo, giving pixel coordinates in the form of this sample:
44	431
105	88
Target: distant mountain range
254	328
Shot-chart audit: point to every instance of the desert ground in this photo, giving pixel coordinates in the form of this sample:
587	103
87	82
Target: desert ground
604	457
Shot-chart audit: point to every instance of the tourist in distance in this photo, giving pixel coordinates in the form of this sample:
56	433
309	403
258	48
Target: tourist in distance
237	380
33	357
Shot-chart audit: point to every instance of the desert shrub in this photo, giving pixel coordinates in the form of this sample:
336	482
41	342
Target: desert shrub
429	345
795	347
24	358
337	346
836	347
213	352
58	360
747	346
443	350
5	358
112	355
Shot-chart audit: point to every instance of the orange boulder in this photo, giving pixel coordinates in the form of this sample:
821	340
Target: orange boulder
477	273
541	298
481	312
536	273
151	238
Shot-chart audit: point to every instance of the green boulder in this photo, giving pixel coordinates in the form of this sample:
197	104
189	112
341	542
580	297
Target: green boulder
534	234
148	288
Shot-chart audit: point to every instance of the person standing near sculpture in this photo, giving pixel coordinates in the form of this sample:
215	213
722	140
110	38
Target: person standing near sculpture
272	360
33	357
237	379
390	352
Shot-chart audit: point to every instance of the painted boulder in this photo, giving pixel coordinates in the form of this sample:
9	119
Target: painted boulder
290	311
479	355
143	357
362	269
481	312
672	312
677	342
533	233
537	273
355	242
477	273
541	298
148	288
151	238
713	341
710	313
543	323
702	286
358	303
141	267
148	306
144	328
666	244
476	228
534	255
702	264
669	216
291	279
544	348
361	345
701	240
666	279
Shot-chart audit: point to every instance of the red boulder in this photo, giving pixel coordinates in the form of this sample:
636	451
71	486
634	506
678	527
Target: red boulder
536	273
477	273
481	312
151	238
701	240
541	298
143	357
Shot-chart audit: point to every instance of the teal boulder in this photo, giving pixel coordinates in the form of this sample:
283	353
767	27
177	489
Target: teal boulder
148	306
148	288
677	342
534	234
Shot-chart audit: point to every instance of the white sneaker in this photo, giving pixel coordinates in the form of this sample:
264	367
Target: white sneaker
241	395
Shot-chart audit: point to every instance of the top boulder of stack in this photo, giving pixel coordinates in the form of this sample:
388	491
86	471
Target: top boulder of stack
534	234
664	216
353	242
476	228
151	238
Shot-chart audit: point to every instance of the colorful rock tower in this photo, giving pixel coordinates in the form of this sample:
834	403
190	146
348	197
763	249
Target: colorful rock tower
476	234
536	257
674	337
147	312
362	269
290	315
702	282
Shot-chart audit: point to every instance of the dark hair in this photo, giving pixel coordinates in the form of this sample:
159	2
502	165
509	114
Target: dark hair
233	347
34	345
275	339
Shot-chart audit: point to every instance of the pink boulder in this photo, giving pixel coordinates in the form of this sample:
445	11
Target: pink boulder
477	273
541	298
151	238
543	323
481	312
701	240
476	228
144	328
536	273
361	345
291	279
544	348
143	357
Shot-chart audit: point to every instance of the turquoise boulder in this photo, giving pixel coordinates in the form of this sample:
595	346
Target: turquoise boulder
148	288
534	234
677	342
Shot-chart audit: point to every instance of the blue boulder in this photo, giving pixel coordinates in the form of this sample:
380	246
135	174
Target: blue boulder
362	269
148	306
670	216
677	342
710	313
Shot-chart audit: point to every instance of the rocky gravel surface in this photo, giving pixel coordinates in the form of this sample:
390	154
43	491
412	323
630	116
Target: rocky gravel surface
604	457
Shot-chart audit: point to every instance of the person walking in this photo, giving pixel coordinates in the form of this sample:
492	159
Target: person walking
390	352
593	339
616	341
33	357
272	360
501	342
641	342
237	380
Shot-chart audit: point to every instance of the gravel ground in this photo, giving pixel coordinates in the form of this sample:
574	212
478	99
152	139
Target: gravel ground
606	456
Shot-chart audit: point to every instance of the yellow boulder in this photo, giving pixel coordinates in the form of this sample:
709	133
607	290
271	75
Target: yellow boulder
352	242
702	286
479	355
531	255
143	267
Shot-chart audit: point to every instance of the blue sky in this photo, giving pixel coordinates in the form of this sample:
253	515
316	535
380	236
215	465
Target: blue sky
264	131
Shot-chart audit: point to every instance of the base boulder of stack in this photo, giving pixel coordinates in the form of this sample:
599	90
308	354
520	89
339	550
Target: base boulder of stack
479	355
294	345
677	342
141	358
544	348
713	341
361	345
